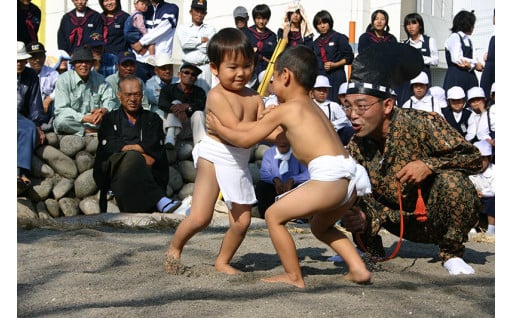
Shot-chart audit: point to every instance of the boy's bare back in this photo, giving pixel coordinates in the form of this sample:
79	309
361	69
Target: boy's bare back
309	131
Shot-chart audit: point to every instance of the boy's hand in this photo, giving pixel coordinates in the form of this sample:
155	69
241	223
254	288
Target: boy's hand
266	111
212	122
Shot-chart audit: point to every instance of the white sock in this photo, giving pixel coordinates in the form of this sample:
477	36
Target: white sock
457	266
491	229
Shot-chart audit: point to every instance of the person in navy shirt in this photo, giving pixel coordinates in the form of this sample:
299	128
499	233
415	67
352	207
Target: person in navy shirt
77	26
332	50
263	40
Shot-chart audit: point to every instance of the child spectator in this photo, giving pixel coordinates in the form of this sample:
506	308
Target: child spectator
335	178
342	93
478	104
263	40
280	172
439	93
269	97
458	116
331	109
221	166
484	184
332	49
420	98
135	28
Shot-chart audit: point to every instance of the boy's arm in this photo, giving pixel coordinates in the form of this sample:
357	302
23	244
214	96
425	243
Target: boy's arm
247	138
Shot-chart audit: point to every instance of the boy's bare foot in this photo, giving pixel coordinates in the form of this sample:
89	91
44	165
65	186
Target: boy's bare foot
173	266
227	269
362	277
284	278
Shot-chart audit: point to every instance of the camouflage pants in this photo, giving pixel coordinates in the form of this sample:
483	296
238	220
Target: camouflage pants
452	207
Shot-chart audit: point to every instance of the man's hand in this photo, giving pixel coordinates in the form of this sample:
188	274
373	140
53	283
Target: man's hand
354	220
41	137
98	114
180	111
139	48
415	171
46	104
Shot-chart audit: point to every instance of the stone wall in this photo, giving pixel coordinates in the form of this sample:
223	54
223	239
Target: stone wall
63	185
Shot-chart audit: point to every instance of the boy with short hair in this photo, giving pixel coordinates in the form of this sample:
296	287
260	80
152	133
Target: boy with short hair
221	166
331	109
335	176
421	98
456	114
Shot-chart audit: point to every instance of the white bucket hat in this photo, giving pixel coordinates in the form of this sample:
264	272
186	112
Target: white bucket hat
484	147
476	92
163	59
420	79
343	88
456	92
322	81
22	51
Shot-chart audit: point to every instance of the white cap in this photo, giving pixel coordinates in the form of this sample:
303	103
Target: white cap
22	51
456	92
484	147
261	75
493	88
475	92
343	88
322	81
420	79
163	59
438	92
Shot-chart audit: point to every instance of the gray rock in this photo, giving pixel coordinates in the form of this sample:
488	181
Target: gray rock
91	144
84	161
89	206
69	206
25	210
187	170
40	169
52	139
85	185
185	151
62	164
62	187
169	192
255	172
175	179
112	207
53	207
186	190
260	150
71	144
41	189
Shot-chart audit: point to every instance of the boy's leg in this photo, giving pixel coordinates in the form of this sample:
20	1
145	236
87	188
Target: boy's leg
322	226
204	197
320	200
239	221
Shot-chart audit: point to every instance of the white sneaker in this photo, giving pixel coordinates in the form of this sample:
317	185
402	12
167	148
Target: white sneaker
457	266
472	231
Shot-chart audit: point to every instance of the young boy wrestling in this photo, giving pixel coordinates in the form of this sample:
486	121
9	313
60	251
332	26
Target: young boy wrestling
336	179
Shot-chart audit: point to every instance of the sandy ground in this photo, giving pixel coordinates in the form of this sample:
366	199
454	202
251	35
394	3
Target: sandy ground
117	271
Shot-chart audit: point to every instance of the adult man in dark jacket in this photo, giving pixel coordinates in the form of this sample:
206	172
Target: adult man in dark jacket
131	159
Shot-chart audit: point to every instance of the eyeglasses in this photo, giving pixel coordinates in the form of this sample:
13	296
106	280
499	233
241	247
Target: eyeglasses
360	109
189	73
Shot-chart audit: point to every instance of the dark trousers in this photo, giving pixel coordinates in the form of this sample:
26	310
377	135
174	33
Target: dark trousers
266	195
132	182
